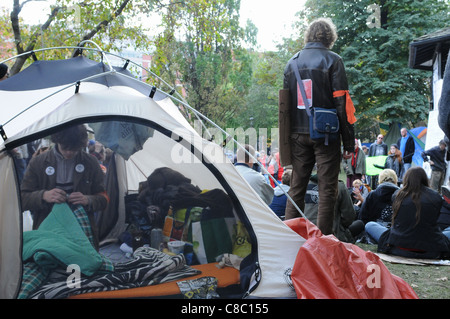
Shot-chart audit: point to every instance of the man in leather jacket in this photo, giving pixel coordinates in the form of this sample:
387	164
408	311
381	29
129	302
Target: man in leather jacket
325	79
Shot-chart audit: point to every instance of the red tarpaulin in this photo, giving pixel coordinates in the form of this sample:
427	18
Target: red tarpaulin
326	268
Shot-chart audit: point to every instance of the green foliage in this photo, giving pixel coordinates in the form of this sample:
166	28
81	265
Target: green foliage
203	41
110	23
260	109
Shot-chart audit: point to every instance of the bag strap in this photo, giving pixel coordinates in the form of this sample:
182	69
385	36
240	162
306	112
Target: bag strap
300	84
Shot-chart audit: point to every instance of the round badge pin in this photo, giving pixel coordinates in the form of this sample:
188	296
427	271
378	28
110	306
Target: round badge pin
79	168
50	170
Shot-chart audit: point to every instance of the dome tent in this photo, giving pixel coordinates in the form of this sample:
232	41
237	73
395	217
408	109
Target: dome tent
49	95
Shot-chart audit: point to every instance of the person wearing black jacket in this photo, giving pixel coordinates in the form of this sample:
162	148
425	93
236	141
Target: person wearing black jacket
437	163
326	84
407	146
393	161
377	207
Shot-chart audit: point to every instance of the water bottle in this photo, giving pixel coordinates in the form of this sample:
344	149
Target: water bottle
156	238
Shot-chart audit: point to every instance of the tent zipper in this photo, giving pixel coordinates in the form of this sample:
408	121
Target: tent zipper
257	276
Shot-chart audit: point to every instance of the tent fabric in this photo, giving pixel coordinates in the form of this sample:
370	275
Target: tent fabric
10	229
174	143
327	268
419	134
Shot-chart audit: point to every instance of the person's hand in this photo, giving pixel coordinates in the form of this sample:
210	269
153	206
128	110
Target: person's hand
55	195
78	198
358	196
347	154
431	162
357	193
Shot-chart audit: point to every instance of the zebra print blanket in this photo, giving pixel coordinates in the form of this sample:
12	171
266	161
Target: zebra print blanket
148	267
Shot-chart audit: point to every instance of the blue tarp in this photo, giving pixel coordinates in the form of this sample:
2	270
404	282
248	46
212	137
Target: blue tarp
420	146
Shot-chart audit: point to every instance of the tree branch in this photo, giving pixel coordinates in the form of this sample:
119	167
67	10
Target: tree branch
20	61
16	26
104	23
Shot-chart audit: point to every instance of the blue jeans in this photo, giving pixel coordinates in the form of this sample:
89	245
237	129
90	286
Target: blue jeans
374	230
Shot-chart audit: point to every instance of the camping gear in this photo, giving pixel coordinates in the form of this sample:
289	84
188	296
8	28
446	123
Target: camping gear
176	246
50	95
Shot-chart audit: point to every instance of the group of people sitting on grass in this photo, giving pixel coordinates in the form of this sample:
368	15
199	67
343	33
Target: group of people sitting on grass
412	220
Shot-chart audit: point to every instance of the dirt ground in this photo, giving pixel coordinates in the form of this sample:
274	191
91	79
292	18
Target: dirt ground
429	281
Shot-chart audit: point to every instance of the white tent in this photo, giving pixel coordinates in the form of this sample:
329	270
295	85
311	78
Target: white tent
49	95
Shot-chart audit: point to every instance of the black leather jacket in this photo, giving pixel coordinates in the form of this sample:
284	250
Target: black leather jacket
326	70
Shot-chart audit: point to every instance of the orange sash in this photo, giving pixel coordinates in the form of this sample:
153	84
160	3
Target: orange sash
349	107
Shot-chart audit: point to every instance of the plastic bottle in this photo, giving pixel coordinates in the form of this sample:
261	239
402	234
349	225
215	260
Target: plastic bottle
156	238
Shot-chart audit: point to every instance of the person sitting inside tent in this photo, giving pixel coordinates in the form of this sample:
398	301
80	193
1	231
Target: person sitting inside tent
378	205
244	164
64	174
345	225
278	204
414	232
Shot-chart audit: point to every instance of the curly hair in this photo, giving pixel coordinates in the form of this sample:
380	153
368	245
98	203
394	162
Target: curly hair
322	30
72	138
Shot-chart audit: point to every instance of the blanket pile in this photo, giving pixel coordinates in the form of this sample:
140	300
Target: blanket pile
65	239
148	267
